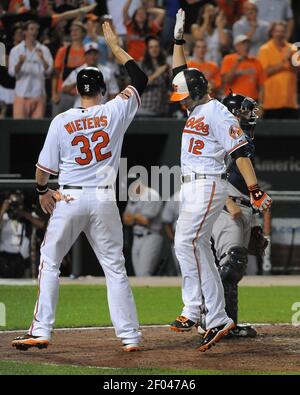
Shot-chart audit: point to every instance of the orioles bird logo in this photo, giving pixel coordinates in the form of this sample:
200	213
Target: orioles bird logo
235	132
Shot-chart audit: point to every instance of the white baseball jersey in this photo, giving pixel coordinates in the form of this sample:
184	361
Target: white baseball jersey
84	146
210	133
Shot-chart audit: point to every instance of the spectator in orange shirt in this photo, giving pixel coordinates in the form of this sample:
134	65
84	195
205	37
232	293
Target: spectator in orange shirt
67	59
139	27
280	95
209	69
242	73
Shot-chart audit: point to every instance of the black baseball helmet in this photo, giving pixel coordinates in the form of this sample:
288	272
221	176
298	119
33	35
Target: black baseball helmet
245	108
189	83
90	82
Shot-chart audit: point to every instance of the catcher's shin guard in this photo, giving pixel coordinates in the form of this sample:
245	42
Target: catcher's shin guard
231	300
231	272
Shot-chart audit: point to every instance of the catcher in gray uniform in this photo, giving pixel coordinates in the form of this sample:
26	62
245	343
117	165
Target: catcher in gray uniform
143	213
233	228
170	216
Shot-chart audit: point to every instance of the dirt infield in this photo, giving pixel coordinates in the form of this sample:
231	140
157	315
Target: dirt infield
276	348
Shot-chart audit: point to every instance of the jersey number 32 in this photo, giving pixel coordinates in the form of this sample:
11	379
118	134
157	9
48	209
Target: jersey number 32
86	149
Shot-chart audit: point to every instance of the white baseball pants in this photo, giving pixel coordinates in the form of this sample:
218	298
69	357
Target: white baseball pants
201	204
95	213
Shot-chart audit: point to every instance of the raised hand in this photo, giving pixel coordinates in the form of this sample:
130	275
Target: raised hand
110	37
179	26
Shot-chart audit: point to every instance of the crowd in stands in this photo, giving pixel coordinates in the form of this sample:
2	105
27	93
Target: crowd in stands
242	45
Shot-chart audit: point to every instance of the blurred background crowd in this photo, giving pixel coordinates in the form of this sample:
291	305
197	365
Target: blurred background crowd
248	46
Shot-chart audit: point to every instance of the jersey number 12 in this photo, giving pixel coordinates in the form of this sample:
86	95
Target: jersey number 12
85	149
196	146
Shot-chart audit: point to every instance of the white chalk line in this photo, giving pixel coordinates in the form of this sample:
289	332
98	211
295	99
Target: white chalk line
95	328
68	365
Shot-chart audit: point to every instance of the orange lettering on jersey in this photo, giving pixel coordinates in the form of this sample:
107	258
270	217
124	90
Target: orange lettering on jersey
97	122
100	121
73	126
90	123
69	128
198	125
78	124
84	123
104	120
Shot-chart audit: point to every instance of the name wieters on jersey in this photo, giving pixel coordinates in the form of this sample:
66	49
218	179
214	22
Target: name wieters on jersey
83	145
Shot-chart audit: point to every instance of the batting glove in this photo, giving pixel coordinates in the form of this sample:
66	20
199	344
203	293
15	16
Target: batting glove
58	196
259	199
179	26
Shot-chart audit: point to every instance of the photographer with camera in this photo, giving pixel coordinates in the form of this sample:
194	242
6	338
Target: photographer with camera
16	224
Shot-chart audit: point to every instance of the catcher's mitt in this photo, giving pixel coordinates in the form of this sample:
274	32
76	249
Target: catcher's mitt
258	242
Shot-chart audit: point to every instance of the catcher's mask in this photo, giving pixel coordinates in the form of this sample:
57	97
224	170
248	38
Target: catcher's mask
245	108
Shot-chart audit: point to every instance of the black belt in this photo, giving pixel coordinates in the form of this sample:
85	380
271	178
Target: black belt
78	187
243	202
198	176
142	234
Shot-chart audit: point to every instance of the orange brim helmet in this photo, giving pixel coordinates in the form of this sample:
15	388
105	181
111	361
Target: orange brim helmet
189	82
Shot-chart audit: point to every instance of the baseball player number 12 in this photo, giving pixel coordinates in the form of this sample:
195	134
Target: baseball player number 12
196	146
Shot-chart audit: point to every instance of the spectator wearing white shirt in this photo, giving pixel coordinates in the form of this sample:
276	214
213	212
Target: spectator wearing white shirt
115	9
30	62
92	60
276	10
255	29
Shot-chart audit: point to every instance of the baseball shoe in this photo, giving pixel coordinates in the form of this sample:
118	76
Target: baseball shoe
182	324
242	331
213	335
25	342
131	347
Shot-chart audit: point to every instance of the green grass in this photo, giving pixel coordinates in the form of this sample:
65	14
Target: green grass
11	367
87	305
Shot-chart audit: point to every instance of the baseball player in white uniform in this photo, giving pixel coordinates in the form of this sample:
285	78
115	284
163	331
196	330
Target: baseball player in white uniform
210	133
83	147
143	212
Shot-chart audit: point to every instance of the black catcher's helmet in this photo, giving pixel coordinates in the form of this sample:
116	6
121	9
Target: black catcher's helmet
245	108
189	82
90	82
